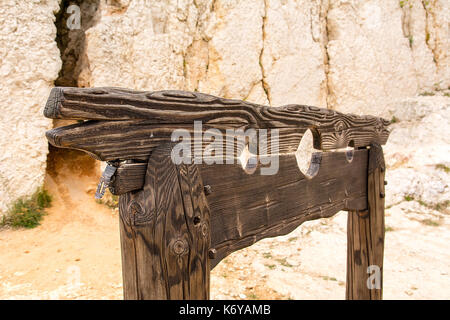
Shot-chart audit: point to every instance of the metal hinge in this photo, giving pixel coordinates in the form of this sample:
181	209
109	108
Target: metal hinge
105	180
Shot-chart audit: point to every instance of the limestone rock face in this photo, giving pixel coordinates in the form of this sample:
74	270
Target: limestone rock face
141	45
293	60
234	35
418	151
415	29
370	60
353	56
437	38
365	57
29	63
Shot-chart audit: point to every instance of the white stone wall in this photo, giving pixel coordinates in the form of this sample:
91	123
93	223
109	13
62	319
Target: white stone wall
364	57
353	56
29	63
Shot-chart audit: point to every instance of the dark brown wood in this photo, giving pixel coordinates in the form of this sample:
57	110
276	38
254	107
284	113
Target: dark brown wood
169	238
128	177
165	233
180	109
365	236
246	208
135	140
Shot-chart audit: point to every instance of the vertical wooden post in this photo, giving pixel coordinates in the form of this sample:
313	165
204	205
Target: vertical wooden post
165	233
365	236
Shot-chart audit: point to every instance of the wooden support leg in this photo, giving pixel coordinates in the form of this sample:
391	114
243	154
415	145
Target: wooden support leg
365	236
165	233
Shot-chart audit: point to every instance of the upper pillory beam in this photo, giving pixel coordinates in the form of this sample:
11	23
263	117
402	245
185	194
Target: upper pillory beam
53	103
332	129
172	106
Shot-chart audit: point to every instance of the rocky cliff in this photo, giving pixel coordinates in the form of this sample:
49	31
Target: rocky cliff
364	57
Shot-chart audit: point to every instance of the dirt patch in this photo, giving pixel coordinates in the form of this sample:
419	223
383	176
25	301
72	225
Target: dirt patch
75	253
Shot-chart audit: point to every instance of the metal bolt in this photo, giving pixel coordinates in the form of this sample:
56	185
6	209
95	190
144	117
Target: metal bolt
212	253
382	194
207	189
385	183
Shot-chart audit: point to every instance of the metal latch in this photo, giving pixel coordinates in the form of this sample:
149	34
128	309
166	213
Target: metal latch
105	180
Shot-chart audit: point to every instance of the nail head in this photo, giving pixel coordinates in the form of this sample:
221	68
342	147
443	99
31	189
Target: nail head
212	253
207	189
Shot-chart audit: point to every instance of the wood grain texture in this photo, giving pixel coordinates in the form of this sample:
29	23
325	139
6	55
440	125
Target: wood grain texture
128	177
135	140
172	109
165	233
246	208
166	226
365	235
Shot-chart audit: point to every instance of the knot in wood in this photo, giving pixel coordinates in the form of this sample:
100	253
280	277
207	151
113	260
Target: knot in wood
98	91
179	94
204	229
179	247
339	127
134	208
294	108
315	109
137	215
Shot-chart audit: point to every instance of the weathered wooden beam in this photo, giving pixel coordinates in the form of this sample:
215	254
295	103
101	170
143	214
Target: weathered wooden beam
365	236
165	233
128	177
135	140
248	207
181	109
170	239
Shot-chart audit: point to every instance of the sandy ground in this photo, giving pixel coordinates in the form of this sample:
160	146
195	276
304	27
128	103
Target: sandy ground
75	253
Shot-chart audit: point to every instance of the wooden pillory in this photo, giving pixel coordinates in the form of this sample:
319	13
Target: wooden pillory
178	221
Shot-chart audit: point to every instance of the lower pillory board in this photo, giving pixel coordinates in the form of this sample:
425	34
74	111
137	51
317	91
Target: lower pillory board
179	221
